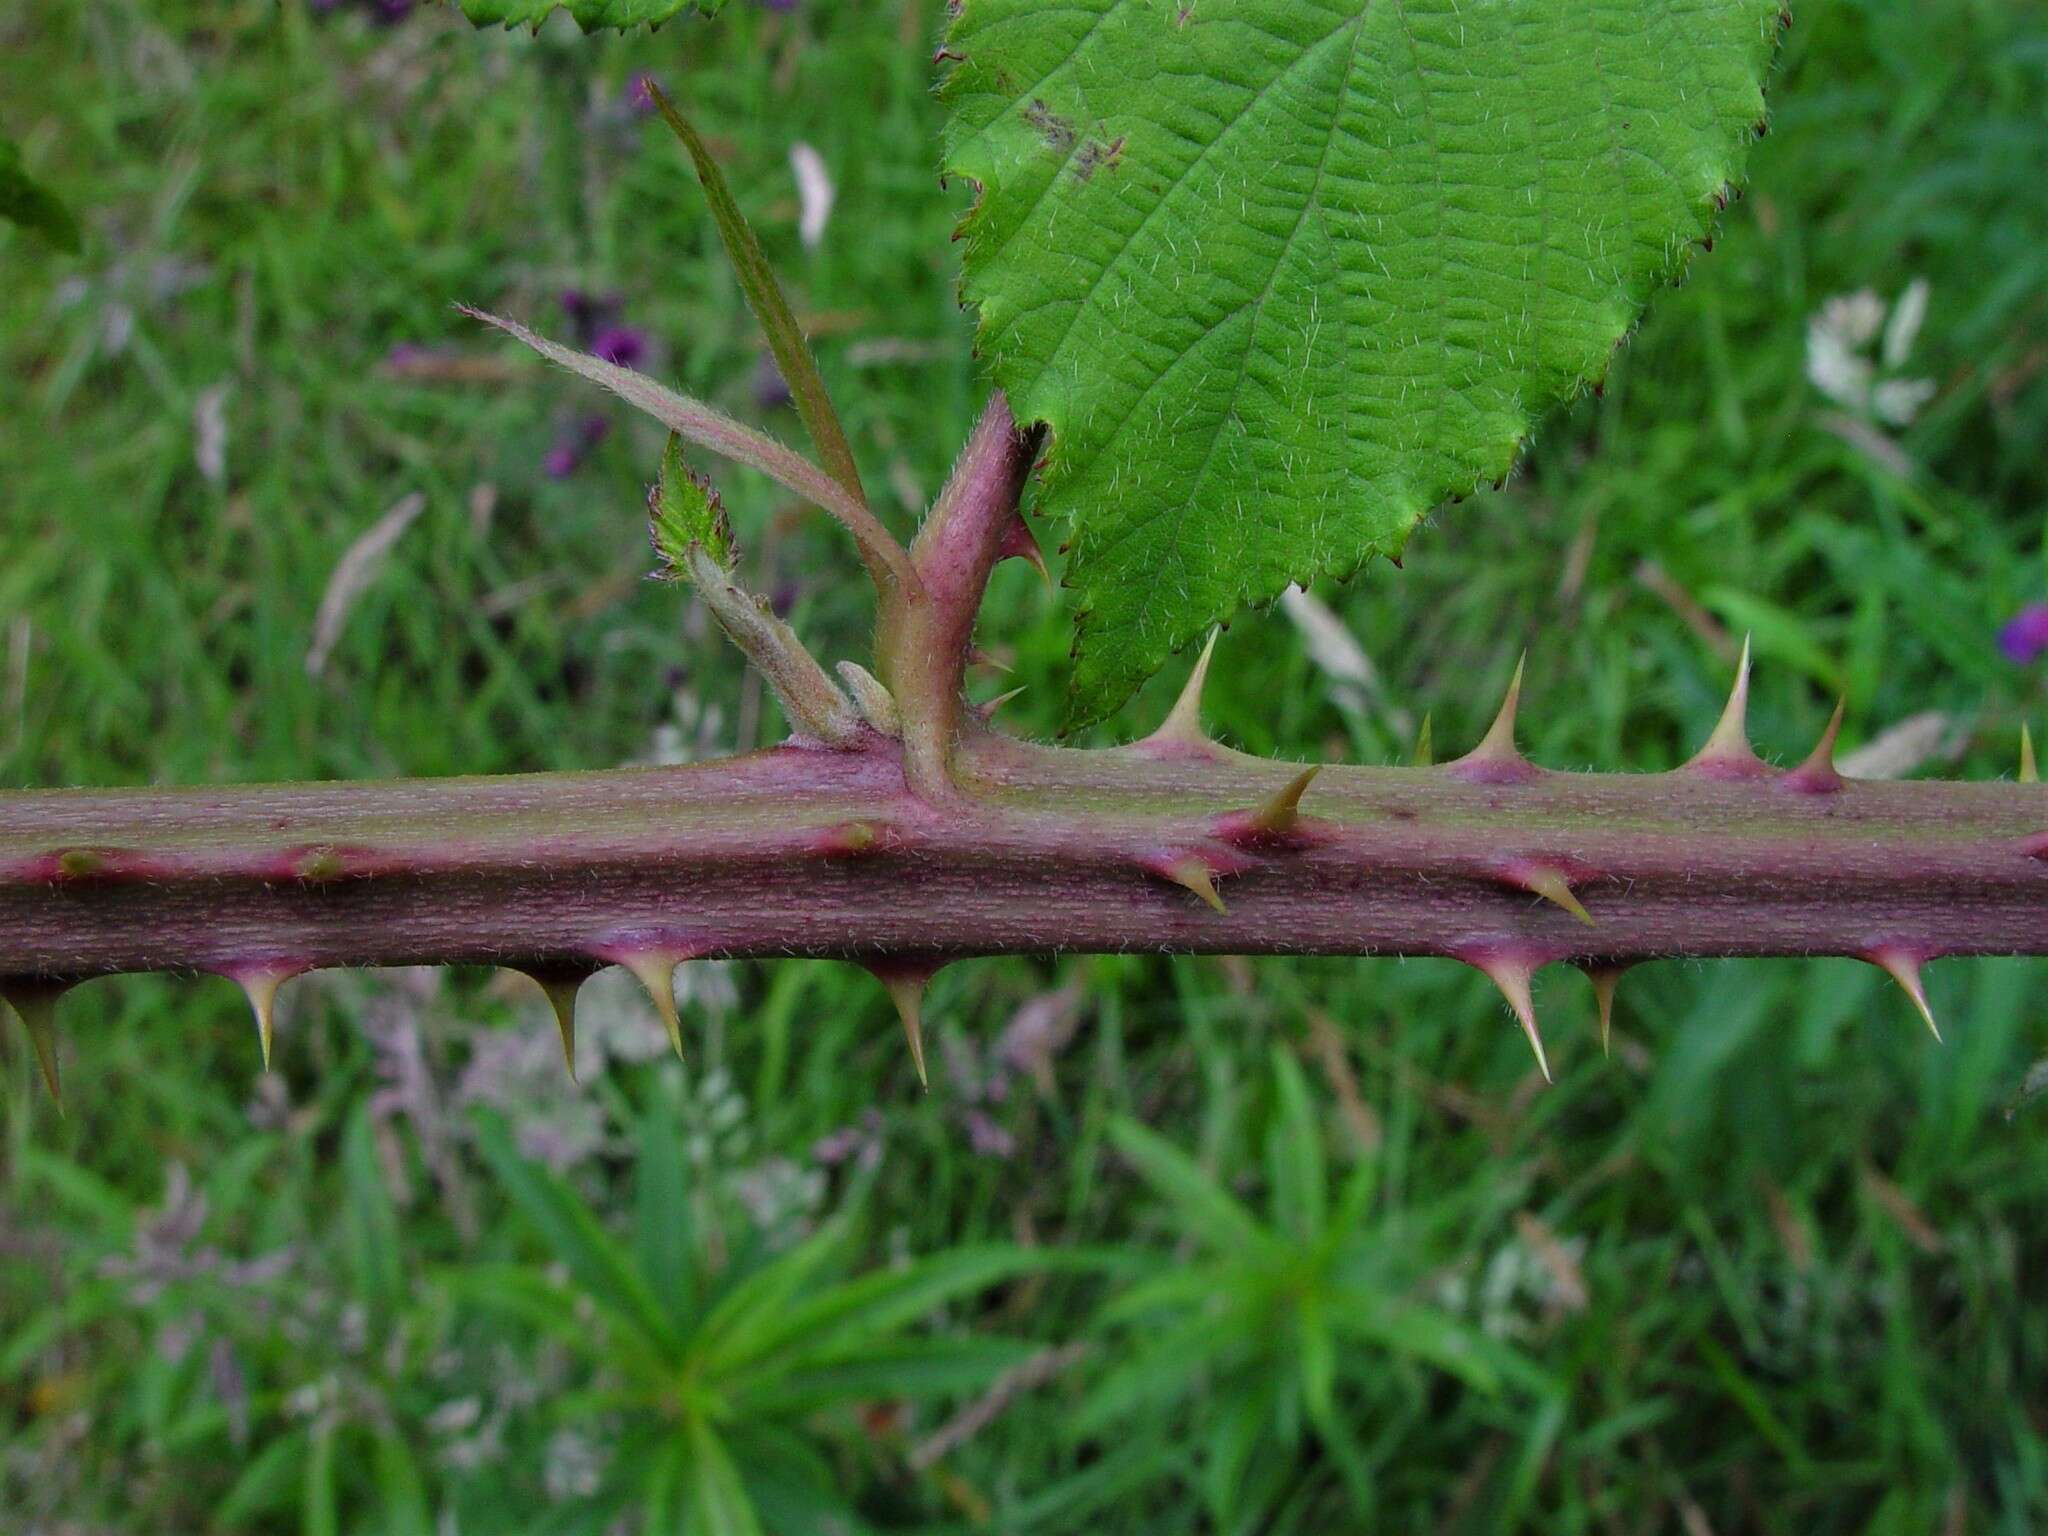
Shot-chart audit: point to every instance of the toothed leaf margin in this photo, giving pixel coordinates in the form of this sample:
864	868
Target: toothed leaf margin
1282	275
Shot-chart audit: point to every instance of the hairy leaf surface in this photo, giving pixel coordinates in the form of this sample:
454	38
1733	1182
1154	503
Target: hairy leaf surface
1281	275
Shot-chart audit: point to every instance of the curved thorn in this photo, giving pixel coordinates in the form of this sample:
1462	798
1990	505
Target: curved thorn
1194	874
35	1004
1277	815
2029	774
1183	724
905	984
1553	887
560	987
1818	775
1512	977
1904	968
1019	543
987	711
1424	753
657	973
1498	744
260	987
1728	748
1605	979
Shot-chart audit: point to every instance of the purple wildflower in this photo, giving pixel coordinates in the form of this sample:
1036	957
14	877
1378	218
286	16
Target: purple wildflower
639	95
621	344
771	390
2025	637
568	452
590	314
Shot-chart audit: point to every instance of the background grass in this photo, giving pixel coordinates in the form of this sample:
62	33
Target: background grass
1775	1266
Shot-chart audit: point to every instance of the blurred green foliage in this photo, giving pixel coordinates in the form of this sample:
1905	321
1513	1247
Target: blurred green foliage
1772	1267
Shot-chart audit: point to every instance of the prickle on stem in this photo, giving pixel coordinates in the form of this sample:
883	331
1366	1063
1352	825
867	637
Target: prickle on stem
1497	759
1727	753
1549	882
560	987
1182	726
259	985
657	973
2029	774
1019	543
1274	819
905	985
1512	976
35	1004
1605	979
1904	967
1193	871
987	711
1818	774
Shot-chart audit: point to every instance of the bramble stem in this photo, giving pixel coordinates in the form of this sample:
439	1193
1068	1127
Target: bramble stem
809	852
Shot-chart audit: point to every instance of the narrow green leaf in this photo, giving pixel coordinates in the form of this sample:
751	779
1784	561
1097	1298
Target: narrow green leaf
598	1262
266	1483
370	1221
27	202
764	296
401	1490
715	1498
1204	1207
908	1368
319	1505
1294	1152
875	1304
1281	275
664	1235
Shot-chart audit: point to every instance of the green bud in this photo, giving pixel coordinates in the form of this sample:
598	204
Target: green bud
684	510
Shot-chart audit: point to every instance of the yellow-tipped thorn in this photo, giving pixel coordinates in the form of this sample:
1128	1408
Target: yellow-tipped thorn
1552	886
1193	873
1605	980
1512	977
1498	744
1279	813
2029	774
36	1006
1183	724
658	975
906	991
1729	743
1905	970
260	987
1425	753
560	989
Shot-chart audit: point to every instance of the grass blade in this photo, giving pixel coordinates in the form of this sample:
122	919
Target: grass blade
764	297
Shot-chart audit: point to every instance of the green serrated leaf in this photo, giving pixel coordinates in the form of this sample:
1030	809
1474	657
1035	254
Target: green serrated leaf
590	15
29	203
685	509
1281	275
